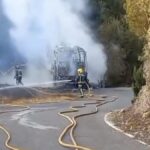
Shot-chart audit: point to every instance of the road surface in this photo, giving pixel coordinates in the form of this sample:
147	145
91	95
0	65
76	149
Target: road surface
39	127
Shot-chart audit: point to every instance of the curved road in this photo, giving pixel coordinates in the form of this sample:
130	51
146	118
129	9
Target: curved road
39	128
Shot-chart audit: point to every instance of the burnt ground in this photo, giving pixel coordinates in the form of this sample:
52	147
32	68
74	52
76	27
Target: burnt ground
29	95
135	124
33	95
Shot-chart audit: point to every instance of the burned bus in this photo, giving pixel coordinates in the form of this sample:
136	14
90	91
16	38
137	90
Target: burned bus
67	61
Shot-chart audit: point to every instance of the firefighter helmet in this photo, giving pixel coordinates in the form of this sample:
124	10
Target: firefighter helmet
80	71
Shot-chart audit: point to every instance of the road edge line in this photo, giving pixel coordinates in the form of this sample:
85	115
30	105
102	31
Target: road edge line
112	125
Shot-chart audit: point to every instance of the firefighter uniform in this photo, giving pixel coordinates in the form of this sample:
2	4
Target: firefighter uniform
18	76
81	81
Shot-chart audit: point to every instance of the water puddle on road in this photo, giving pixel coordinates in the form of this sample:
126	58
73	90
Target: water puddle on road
24	119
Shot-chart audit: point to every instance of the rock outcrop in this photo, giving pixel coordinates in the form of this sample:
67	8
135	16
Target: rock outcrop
143	101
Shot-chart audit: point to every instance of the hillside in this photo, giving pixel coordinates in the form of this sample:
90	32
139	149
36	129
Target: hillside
136	119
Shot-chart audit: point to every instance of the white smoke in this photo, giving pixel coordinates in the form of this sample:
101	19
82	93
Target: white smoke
40	25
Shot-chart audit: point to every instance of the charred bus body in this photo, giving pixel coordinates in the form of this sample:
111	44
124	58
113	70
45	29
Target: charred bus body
67	61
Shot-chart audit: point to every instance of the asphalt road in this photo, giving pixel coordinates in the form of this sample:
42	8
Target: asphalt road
39	128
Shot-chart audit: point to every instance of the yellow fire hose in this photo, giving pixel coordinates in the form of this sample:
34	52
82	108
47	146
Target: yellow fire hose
8	139
70	126
73	124
6	131
25	108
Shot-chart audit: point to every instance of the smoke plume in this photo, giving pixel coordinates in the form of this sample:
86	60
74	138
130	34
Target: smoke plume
8	53
41	25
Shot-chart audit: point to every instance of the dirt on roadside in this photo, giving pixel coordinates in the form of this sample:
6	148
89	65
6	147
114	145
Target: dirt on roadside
135	124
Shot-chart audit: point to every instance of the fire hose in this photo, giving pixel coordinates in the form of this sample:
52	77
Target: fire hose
6	131
71	126
8	139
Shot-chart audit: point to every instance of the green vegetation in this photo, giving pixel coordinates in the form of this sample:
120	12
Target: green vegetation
122	46
137	12
138	81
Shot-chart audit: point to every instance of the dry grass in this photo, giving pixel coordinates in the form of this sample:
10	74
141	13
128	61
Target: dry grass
51	97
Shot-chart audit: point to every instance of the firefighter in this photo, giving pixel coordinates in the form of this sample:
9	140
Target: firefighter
87	80
81	81
18	75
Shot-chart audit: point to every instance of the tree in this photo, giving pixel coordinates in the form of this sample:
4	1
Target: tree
138	16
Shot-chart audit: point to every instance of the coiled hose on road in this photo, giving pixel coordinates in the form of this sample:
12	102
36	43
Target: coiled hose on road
71	127
73	123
